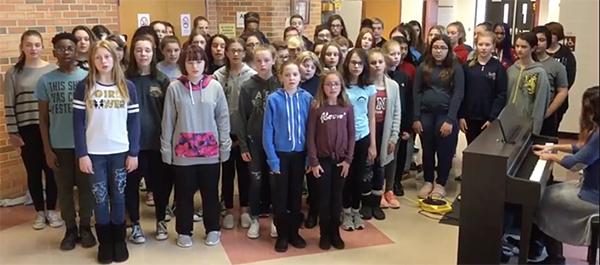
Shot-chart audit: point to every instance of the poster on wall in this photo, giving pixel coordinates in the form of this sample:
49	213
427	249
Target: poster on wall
240	19
227	29
186	28
570	42
143	20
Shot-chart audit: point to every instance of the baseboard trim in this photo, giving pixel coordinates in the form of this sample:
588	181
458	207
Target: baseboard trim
568	135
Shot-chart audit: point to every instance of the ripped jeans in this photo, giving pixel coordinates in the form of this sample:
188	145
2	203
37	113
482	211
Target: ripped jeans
108	186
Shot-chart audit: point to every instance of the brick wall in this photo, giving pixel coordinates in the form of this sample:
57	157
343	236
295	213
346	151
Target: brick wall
52	16
273	14
48	17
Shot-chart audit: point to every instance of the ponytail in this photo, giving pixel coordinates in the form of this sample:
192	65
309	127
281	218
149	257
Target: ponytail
21	63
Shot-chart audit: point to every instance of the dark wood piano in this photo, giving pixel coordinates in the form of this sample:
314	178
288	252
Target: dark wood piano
500	167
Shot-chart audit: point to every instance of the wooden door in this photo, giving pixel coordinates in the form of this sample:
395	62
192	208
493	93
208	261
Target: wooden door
386	10
129	10
430	16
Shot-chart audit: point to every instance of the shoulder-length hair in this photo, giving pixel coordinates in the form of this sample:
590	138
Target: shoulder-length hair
361	35
364	79
448	63
321	98
117	74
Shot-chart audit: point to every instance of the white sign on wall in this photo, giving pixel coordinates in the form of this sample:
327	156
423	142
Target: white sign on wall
143	20
186	25
240	19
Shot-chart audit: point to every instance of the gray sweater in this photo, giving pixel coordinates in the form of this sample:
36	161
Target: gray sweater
195	124
232	85
21	105
529	90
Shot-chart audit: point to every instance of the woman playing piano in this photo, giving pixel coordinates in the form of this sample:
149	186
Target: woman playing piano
566	208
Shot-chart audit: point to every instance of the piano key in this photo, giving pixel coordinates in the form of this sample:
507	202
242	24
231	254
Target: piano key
538	170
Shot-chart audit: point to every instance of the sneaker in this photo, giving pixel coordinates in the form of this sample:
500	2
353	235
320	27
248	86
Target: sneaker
245	220
161	231
384	203
40	221
347	222
273	230
425	190
281	245
390	198
184	241
458	197
149	199
198	216
213	238
357	220
137	237
169	214
254	230
70	239
438	191
228	221
54	220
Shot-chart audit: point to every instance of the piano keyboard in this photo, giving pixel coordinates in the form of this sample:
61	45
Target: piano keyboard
538	170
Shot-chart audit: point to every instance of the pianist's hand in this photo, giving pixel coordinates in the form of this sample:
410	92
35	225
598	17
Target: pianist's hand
462	124
446	129
541	149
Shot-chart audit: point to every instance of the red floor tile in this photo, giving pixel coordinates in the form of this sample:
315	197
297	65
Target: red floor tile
240	249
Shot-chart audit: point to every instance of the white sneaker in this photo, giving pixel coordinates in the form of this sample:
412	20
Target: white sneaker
273	230
54	220
198	216
254	231
245	220
161	231
184	241
169	214
137	237
40	221
228	221
213	238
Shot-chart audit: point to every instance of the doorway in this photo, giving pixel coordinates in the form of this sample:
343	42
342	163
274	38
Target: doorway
518	14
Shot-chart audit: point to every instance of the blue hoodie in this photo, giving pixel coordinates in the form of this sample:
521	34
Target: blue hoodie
284	125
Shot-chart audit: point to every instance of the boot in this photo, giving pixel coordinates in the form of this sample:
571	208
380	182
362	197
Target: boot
87	237
325	233
376	207
336	239
105	246
554	249
70	239
365	209
283	233
398	188
119	233
311	219
294	238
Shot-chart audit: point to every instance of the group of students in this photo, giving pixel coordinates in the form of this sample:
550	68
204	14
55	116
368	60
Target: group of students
343	116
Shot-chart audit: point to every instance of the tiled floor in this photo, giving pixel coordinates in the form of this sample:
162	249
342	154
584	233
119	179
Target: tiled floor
405	237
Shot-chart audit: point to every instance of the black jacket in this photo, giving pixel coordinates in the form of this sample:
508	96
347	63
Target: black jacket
248	122
485	91
406	98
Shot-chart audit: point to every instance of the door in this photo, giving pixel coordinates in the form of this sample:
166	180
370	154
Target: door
518	14
524	17
430	16
390	15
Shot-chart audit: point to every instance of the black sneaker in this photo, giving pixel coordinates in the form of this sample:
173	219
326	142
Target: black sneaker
70	239
311	220
281	245
325	243
398	190
87	237
297	241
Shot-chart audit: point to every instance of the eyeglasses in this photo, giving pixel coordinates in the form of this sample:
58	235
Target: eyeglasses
67	49
337	26
333	84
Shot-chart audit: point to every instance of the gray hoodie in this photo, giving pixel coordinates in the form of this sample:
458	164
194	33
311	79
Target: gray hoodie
232	85
195	123
529	89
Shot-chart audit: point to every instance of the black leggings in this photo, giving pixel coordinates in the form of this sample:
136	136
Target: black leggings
353	188
229	168
150	166
35	162
329	187
287	193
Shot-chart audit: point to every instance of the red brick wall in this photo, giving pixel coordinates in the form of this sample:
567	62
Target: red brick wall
52	16
48	17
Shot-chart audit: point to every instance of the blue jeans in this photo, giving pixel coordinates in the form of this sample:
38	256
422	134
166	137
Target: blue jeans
434	144
108	186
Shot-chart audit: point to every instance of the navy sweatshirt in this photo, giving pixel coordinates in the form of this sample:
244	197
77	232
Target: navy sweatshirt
485	90
439	96
311	85
406	98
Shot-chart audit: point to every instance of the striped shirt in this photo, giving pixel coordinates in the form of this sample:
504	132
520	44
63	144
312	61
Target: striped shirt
20	103
105	123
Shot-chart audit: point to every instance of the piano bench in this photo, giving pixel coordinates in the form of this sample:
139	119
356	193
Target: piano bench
593	248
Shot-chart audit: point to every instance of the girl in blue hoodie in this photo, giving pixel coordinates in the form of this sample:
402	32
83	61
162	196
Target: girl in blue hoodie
284	130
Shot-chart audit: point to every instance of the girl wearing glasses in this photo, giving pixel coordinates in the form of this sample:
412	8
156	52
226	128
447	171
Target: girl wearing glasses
439	87
330	143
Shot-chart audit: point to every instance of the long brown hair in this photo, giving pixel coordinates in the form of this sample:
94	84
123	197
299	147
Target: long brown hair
117	74
321	98
21	63
590	114
448	63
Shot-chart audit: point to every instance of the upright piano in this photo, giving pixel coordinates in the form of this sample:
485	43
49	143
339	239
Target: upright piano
500	167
